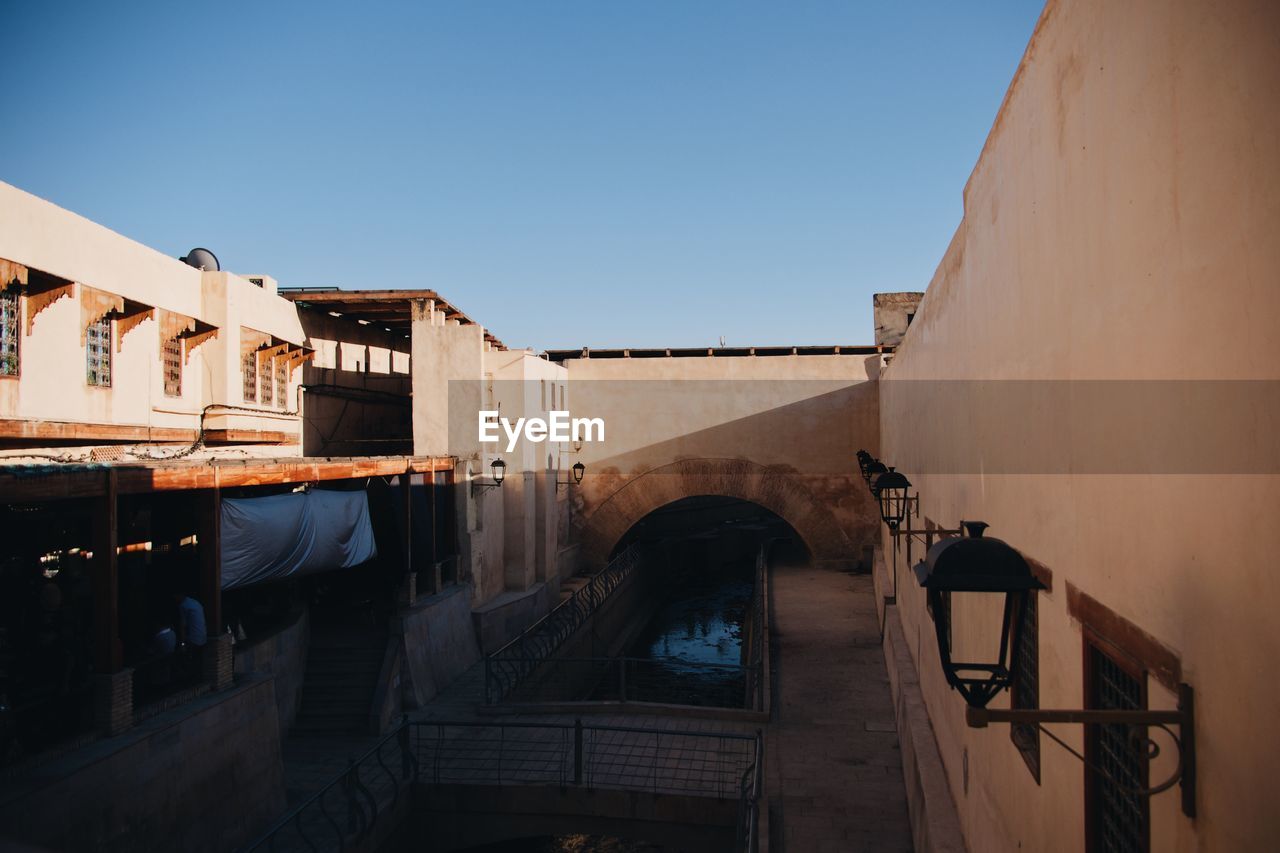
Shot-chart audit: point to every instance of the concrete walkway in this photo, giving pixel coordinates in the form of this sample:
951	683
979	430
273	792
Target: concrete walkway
833	764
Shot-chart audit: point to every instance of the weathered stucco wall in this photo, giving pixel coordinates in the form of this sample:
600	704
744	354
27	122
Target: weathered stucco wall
282	657
204	777
1120	225
677	427
439	643
52	385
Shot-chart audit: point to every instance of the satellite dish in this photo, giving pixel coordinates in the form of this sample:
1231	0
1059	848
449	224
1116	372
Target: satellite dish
202	259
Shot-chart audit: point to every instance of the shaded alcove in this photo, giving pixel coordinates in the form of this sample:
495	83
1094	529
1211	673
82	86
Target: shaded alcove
709	528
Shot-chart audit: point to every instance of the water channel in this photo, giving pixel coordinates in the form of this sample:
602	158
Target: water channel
693	649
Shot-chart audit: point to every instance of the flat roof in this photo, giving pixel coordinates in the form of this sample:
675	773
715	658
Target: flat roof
388	309
714	352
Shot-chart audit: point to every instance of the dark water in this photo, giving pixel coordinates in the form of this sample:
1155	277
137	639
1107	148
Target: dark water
690	653
701	619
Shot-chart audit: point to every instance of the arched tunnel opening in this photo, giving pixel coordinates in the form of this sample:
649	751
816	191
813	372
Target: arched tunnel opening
704	525
704	558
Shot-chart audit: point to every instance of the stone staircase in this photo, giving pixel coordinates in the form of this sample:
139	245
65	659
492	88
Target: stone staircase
343	664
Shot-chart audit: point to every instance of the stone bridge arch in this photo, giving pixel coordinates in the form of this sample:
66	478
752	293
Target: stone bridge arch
779	490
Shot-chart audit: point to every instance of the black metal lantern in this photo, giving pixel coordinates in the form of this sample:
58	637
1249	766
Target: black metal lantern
873	468
977	564
499	469
578	470
891	490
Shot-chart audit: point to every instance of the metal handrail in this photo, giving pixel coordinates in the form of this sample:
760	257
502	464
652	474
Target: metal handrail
515	753
507	667
750	791
478	752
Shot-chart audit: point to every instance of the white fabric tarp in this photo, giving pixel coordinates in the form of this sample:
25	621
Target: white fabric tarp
290	535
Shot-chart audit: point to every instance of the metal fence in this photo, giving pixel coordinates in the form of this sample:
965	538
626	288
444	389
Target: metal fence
346	812
660	761
527	670
509	666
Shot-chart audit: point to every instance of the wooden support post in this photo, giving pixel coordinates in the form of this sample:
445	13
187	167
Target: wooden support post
108	654
406	499
409	581
209	539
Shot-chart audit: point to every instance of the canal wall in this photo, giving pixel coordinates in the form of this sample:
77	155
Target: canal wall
202	777
283	657
610	630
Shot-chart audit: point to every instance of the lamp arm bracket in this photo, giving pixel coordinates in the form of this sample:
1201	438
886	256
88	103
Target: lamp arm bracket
1153	749
1184	740
937	531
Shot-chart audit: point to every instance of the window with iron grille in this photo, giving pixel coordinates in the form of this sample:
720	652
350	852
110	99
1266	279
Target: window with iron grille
98	353
1117	819
265	380
1026	686
282	381
173	368
10	309
249	372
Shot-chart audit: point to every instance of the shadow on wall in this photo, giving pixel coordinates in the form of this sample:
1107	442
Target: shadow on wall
796	460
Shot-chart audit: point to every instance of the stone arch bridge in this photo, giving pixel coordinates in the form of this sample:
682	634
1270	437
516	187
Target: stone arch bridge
780	431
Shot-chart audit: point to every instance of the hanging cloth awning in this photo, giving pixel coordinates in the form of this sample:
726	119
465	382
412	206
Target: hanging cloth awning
282	536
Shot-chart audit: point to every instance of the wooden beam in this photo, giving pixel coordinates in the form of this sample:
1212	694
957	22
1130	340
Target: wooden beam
18	428
250	436
48	483
406	510
1129	639
108	654
352	296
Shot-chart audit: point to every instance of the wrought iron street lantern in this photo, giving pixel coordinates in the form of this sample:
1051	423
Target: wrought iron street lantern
499	470
891	490
977	564
863	458
980	564
578	470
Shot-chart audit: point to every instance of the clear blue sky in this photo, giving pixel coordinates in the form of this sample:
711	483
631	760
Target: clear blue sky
602	173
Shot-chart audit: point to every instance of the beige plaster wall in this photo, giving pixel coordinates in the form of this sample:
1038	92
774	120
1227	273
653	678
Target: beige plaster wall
522	384
450	385
1120	224
52	383
796	418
